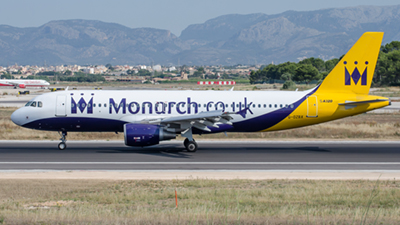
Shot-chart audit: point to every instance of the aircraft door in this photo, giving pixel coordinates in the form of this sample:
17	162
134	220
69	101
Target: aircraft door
61	105
312	106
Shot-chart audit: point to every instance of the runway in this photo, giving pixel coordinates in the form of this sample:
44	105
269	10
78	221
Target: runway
212	155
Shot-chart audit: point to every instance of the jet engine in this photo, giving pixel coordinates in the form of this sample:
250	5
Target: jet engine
21	85
145	134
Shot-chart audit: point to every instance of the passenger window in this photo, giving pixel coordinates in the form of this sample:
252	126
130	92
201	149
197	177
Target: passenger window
105	105
99	105
276	106
94	105
265	106
40	104
205	105
291	106
270	105
33	104
281	105
199	105
259	106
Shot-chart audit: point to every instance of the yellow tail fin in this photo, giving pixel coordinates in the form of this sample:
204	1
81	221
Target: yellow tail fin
355	70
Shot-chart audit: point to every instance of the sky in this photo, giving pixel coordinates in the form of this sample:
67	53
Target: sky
173	15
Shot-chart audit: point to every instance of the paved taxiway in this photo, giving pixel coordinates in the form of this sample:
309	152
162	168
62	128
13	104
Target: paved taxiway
212	155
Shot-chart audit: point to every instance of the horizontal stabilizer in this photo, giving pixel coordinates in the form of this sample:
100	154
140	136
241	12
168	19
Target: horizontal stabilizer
362	102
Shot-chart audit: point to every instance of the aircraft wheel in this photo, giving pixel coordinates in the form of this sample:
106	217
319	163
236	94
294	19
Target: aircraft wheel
185	142
191	146
62	146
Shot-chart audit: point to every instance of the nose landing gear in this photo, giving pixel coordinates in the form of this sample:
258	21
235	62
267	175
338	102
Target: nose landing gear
62	145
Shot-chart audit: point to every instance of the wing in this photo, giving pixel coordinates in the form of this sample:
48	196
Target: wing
13	83
201	121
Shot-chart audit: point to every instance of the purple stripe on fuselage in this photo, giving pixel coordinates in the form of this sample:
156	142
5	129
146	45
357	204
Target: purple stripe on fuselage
77	124
270	119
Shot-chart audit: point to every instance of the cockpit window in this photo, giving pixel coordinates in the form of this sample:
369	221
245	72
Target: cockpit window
28	103
40	104
33	104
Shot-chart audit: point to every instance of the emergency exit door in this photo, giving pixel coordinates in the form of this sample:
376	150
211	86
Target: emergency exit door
312	106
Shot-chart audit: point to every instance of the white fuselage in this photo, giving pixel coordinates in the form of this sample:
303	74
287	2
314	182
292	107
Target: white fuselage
109	110
24	83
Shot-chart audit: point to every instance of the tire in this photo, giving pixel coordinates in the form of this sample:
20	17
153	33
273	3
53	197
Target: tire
185	142
191	146
62	146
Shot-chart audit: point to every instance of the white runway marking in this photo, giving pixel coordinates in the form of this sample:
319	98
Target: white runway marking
210	163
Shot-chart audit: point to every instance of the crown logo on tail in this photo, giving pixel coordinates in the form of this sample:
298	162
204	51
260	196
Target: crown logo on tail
355	75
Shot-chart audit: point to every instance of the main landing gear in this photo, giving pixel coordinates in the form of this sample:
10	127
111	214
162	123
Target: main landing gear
190	143
63	139
191	146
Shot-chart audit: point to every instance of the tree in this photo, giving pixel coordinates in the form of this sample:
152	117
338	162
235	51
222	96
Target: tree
197	74
388	68
143	72
109	66
6	76
289	84
68	72
306	73
318	63
392	46
330	64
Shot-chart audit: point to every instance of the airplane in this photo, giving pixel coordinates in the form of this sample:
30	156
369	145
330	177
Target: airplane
24	83
148	117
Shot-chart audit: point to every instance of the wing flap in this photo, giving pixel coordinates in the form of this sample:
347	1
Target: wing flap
202	115
202	121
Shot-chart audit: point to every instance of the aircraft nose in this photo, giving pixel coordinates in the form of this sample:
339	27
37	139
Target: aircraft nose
17	117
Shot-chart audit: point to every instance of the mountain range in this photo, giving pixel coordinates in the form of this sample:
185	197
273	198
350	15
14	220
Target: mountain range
225	40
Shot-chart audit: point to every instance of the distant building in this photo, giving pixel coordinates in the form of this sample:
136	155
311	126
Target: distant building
184	76
88	70
157	68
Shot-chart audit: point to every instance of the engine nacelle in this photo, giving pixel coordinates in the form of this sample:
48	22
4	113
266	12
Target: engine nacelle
145	134
21	85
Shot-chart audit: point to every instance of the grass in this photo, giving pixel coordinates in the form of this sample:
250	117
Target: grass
199	202
370	126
